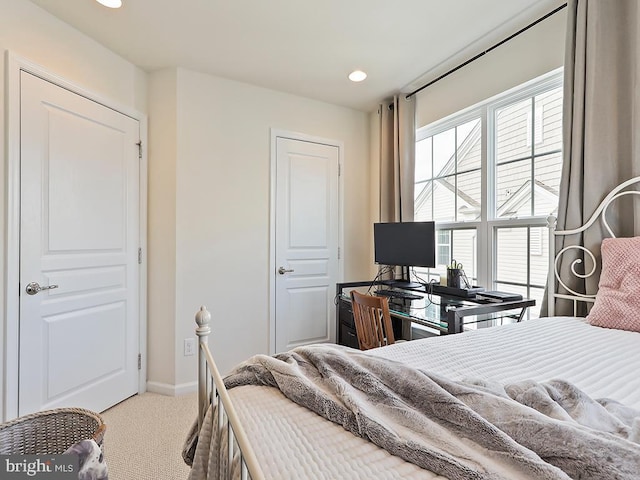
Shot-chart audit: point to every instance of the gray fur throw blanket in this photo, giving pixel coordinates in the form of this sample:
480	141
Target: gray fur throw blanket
461	430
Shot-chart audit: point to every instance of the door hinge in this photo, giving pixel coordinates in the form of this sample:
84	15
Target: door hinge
139	361
338	253
139	144
140	256
339	169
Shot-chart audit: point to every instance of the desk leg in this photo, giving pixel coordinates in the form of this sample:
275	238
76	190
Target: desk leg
406	330
336	300
522	312
454	322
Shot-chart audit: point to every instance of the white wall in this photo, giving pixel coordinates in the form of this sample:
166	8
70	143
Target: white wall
533	53
30	32
161	224
222	206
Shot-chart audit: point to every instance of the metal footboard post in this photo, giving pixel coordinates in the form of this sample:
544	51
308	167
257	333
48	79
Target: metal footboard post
211	390
203	318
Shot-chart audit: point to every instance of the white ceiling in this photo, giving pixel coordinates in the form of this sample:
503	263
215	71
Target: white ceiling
303	47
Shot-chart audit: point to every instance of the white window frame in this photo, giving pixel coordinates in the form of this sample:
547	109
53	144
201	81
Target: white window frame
488	224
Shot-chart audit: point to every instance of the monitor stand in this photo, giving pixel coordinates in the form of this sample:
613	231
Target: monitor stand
404	282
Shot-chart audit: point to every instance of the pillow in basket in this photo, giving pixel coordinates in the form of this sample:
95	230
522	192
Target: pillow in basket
617	302
91	460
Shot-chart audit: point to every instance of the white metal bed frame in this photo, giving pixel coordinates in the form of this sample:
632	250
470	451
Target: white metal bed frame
554	260
211	389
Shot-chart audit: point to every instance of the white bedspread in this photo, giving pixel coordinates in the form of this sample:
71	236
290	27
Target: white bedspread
603	362
294	443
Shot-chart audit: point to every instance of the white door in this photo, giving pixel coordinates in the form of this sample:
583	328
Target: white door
79	229
306	250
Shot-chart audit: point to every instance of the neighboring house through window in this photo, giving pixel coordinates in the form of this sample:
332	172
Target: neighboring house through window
490	188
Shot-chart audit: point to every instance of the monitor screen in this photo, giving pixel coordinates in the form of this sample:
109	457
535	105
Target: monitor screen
410	244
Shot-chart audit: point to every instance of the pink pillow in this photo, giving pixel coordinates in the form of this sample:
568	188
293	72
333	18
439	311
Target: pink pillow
617	302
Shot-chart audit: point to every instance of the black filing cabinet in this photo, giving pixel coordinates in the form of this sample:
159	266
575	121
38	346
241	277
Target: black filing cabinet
346	327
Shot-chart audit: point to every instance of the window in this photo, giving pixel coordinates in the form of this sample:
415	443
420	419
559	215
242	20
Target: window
448	171
444	247
489	176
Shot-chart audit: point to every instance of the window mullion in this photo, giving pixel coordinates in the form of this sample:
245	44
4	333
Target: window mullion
433	174
455	175
533	151
485	257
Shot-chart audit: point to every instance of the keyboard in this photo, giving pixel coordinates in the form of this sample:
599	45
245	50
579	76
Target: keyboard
399	294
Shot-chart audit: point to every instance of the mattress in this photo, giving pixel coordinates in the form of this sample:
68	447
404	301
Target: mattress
292	442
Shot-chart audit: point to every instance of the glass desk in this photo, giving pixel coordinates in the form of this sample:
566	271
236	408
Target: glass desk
438	314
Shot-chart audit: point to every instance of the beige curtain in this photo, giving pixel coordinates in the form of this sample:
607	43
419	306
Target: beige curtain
601	126
397	159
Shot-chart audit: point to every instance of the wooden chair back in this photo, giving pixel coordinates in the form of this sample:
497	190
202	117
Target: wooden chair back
373	320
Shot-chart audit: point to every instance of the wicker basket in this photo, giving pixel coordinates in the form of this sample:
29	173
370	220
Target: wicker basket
50	431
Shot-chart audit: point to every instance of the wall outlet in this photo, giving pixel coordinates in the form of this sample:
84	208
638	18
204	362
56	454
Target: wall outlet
189	347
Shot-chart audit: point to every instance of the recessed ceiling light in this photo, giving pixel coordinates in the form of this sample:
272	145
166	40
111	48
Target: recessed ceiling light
111	3
357	76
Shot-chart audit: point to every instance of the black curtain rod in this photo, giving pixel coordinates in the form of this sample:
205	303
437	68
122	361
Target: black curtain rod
524	29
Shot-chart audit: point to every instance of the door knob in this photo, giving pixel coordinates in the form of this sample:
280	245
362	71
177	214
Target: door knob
34	288
283	270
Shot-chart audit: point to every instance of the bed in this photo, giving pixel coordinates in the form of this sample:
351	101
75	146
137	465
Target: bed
525	367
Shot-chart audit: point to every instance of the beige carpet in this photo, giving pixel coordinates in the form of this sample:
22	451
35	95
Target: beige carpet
145	435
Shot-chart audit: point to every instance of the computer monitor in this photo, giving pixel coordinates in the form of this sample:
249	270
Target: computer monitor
406	244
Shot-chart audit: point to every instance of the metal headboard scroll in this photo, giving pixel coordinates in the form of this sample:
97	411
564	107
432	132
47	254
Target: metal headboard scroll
554	261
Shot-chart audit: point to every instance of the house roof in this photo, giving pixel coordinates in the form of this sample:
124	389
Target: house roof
521	198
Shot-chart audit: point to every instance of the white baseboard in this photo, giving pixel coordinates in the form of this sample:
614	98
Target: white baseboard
172	390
